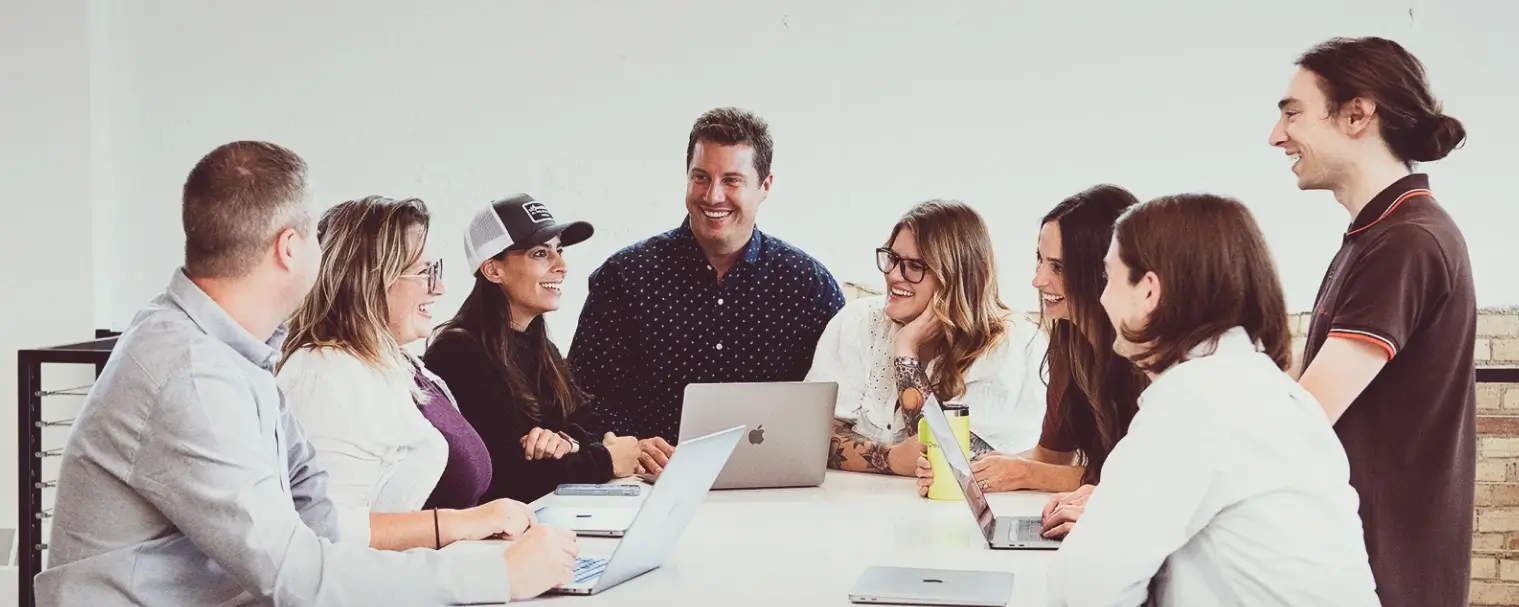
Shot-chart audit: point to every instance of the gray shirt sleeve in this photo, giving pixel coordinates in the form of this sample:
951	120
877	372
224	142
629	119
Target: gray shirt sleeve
308	480
209	468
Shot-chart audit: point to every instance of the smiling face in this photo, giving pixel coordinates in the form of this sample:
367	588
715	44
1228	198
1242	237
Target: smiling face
1316	143
723	194
1127	304
906	299
1049	272
408	300
533	280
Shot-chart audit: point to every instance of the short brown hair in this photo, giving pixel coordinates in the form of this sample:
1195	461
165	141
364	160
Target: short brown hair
734	126
1215	274
236	200
1384	72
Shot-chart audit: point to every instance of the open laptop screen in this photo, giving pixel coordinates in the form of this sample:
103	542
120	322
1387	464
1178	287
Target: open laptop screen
959	466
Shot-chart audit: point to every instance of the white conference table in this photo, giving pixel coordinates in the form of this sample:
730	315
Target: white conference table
808	546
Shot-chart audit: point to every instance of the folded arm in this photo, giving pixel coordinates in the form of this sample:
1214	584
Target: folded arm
849	451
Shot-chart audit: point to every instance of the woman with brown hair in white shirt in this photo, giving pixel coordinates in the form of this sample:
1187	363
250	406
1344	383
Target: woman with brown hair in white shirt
1229	488
941	329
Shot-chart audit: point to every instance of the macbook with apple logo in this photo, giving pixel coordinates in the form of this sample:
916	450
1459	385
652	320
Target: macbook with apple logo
789	423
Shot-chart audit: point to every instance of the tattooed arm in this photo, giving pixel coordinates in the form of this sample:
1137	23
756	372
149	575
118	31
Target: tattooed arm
849	451
979	447
912	389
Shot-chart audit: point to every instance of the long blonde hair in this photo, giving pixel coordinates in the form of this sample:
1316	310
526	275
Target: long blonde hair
957	248
367	244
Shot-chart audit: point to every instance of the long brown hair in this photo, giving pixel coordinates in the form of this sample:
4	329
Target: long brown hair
957	248
485	317
367	244
1094	387
1205	291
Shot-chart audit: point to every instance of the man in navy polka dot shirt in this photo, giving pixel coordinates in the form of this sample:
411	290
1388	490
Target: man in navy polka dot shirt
714	300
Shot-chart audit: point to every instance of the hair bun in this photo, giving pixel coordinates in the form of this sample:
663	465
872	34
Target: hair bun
1435	137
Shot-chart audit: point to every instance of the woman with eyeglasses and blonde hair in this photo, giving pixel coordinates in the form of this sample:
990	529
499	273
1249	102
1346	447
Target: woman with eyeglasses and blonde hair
940	330
405	468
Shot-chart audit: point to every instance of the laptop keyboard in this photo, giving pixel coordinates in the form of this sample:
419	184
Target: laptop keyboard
587	568
1028	530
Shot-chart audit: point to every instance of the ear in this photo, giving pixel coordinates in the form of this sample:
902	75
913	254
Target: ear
287	248
1358	116
764	185
493	271
1150	289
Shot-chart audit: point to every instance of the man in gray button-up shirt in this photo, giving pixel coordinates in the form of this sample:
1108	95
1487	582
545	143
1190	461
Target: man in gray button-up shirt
186	481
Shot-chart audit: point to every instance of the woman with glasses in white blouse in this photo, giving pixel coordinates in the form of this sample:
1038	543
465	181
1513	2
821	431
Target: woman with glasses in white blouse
941	329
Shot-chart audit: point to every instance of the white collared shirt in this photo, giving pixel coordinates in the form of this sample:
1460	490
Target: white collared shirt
1230	488
1004	388
381	453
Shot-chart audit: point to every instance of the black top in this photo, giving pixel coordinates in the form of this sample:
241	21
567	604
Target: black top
656	319
1402	282
487	401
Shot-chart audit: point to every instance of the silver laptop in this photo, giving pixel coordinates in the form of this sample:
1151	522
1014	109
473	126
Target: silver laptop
790	424
663	516
1002	532
908	586
589	521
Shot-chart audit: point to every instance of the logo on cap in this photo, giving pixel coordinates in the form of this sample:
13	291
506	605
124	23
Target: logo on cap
537	212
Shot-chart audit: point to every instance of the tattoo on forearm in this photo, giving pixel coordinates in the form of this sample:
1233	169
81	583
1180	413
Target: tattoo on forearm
910	375
849	451
979	447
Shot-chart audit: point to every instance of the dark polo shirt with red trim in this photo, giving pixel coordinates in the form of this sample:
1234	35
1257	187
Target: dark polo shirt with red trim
1402	281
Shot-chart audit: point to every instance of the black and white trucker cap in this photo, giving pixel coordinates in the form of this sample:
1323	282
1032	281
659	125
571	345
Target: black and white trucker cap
516	222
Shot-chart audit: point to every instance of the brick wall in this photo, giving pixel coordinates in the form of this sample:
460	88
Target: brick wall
1495	545
1495	542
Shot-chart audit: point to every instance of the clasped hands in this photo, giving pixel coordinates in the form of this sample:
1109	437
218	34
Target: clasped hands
626	451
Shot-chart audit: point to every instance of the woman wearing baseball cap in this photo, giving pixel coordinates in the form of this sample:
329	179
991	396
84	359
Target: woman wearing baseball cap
386	430
511	381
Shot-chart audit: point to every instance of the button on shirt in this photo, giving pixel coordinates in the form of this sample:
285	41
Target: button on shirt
186	481
656	319
1229	489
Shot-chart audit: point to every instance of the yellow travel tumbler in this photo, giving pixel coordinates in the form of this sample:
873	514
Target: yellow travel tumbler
944	486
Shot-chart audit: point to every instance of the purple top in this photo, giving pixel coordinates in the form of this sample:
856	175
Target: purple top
468	472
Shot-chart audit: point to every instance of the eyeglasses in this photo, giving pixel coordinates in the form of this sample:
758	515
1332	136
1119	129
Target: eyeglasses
433	273
912	269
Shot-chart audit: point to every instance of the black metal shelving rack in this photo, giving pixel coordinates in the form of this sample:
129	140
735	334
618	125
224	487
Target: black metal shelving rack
29	424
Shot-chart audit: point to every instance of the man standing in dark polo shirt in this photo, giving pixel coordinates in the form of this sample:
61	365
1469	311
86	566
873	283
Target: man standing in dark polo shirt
714	300
1390	347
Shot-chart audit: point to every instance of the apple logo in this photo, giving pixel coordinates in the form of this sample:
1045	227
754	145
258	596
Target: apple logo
757	435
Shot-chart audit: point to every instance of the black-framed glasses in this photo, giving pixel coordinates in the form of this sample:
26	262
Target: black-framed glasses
433	273
912	269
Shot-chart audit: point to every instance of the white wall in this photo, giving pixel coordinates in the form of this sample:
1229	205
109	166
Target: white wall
1010	106
46	193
